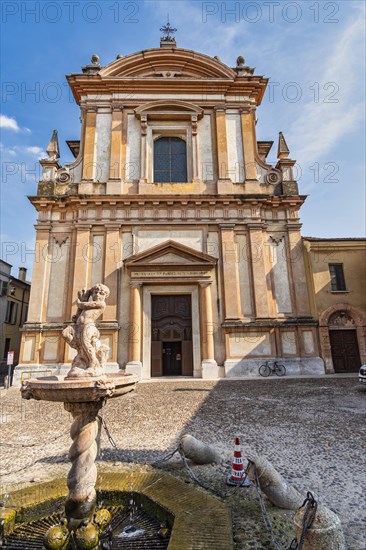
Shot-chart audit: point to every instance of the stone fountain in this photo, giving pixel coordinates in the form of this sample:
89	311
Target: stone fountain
83	391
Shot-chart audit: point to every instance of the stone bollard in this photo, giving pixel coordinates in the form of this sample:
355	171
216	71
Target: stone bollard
325	533
197	451
273	484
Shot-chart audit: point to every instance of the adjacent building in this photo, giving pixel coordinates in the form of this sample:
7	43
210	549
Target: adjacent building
172	204
14	296
337	288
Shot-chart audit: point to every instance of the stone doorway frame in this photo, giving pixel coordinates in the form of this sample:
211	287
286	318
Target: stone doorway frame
147	292
360	326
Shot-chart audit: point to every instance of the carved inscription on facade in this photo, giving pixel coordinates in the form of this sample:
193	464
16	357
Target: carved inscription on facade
170	273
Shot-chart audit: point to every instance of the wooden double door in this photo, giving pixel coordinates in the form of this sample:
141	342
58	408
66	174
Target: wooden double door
345	352
171	338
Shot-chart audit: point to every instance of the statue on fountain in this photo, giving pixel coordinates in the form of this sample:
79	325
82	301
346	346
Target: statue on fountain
83	335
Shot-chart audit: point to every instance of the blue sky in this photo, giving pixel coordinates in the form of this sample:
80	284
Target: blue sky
312	51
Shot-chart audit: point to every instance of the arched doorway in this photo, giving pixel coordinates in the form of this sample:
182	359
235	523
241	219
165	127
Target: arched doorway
343	343
342	332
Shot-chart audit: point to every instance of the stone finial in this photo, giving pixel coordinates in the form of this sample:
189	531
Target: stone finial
94	66
283	151
241	69
53	149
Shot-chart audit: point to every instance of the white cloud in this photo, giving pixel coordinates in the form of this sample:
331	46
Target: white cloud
35	150
22	152
8	123
7	151
320	126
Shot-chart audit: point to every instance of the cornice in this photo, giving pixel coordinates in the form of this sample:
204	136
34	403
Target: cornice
326	246
120	89
170	200
113	212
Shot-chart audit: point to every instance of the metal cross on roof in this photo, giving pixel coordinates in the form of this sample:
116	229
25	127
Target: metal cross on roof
168	30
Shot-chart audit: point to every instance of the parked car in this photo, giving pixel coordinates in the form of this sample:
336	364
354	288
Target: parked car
362	374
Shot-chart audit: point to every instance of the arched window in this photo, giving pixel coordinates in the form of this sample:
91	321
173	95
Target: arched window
170	160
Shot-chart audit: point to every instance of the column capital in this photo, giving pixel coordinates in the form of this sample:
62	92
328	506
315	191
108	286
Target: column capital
89	108
116	107
136	284
205	284
229	226
104	109
247	110
112	227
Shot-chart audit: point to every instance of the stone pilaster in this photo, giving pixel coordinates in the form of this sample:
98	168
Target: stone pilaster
89	144
195	162
37	295
114	185
112	262
248	135
260	285
143	160
221	136
231	274
81	272
297	266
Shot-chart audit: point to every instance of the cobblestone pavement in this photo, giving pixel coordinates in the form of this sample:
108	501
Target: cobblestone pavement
312	430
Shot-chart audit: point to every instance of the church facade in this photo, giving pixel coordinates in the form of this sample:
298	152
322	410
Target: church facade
171	203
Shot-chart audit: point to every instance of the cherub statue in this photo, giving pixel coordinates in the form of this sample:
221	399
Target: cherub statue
84	336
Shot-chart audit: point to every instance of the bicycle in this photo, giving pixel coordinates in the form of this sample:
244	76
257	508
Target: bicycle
266	369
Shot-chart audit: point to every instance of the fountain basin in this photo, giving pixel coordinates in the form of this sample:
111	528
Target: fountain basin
78	390
197	519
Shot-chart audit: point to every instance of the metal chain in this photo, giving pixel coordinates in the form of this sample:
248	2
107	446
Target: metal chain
166	457
111	440
309	516
207	487
193	476
21	445
266	518
310	502
169	455
19	469
27	446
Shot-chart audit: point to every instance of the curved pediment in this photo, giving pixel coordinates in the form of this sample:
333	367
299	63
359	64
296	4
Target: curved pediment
167	63
169	106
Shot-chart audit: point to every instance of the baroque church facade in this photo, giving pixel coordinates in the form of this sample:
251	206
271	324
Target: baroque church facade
171	203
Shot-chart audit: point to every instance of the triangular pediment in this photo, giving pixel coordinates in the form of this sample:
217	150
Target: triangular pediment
170	259
171	254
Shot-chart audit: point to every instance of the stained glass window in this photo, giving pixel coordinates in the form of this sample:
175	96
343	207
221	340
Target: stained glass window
170	160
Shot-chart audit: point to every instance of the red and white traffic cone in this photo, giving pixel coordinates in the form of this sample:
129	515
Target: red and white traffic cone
238	475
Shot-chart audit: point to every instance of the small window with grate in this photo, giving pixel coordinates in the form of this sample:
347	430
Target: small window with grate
337	277
170	160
